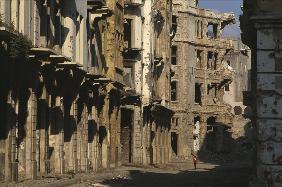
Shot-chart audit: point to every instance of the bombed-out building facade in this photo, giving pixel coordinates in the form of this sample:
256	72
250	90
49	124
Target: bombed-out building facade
200	75
95	84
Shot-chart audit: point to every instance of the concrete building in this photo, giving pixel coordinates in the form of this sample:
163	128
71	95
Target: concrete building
261	31
82	85
147	65
94	84
60	99
238	61
199	76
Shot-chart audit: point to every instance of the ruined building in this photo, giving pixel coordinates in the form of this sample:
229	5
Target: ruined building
200	74
261	31
84	85
94	84
146	111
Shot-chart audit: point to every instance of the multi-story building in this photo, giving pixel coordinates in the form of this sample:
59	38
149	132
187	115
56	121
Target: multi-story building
94	84
199	76
261	31
146	113
60	98
84	85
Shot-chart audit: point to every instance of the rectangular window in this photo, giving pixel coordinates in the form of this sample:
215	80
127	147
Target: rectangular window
174	55
209	60
227	88
212	31
199	59
128	76
174	23
127	33
173	87
198	93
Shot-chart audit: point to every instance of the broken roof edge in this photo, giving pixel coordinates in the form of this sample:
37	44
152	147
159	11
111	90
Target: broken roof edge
209	14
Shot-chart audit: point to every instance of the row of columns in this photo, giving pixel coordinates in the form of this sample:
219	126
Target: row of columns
56	138
156	140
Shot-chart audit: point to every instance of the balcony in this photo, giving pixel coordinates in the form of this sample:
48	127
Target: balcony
131	53
95	4
132	3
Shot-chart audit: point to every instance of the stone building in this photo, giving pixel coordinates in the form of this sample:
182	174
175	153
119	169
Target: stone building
84	85
147	76
238	61
61	86
261	31
199	76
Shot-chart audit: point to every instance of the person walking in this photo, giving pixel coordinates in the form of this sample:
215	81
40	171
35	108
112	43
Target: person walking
195	160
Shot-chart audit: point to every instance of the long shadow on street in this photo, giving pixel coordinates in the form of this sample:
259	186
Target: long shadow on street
216	177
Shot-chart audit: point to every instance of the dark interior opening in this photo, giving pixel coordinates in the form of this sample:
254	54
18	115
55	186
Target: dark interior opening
198	93
174	141
126	135
127	33
173	85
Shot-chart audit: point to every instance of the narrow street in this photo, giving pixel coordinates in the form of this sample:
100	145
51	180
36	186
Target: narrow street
174	175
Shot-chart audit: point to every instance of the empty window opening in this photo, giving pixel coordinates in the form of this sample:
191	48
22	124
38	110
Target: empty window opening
228	62
212	90
212	31
127	33
175	121
227	87
198	93
174	55
174	142
209	60
128	76
174	23
202	32
199	59
173	86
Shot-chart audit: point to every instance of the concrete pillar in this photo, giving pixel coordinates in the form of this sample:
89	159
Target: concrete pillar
158	145
163	145
117	139
169	146
71	146
136	138
59	137
94	144
166	146
74	113
30	140
84	139
43	145
11	165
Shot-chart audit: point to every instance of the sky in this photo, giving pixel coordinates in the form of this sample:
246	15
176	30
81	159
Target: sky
226	6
